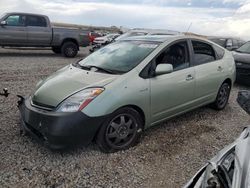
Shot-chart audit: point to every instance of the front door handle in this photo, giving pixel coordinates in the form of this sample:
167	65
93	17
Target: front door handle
189	77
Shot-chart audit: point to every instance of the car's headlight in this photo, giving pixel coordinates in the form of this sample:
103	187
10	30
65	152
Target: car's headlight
79	100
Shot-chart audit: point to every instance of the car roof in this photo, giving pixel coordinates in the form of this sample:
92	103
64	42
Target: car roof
24	13
161	38
225	38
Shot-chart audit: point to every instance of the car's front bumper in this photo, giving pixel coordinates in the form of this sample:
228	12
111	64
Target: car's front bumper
58	130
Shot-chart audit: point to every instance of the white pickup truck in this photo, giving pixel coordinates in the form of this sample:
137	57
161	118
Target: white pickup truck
33	30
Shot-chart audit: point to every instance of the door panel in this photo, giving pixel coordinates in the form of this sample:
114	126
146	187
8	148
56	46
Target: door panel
39	36
11	35
15	32
209	71
172	93
39	32
209	77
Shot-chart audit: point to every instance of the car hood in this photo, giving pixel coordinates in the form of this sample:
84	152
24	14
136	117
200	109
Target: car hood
241	57
65	82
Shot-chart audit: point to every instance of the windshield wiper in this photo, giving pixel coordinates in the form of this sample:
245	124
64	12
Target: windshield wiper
98	68
102	69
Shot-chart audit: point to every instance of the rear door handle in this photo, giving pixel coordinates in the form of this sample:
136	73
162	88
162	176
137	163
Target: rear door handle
219	68
189	77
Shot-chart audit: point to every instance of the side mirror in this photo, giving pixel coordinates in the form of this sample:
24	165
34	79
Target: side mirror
3	23
163	69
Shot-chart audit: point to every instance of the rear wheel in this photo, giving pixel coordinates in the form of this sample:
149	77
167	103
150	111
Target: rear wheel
121	131
56	50
69	49
222	97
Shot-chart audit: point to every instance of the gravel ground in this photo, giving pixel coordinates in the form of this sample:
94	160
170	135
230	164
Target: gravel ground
167	156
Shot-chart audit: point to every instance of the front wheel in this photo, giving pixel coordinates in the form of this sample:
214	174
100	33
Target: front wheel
69	49
121	131
222	97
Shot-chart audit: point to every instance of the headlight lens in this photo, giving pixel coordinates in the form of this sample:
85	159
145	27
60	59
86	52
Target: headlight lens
79	100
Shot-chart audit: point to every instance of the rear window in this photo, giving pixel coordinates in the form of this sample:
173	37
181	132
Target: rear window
36	21
203	53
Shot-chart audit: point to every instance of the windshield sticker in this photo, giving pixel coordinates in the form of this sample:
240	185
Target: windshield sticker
148	46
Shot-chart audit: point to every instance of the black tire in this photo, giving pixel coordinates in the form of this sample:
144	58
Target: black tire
222	96
69	49
120	131
56	50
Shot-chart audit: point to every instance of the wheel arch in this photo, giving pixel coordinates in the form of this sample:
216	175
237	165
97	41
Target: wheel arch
70	40
229	81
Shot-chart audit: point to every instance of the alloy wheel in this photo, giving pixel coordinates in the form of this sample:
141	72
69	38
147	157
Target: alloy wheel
121	131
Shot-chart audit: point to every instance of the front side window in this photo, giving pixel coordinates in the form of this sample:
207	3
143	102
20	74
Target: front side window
219	52
36	21
15	20
119	57
203	53
176	55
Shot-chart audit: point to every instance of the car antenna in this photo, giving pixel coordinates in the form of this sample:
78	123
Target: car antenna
189	27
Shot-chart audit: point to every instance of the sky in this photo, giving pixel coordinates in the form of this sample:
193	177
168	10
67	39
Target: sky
208	17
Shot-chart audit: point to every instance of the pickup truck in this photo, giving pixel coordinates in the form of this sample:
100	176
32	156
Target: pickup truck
34	30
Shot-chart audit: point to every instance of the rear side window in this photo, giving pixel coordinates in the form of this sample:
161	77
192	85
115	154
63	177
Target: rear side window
219	52
36	21
203	53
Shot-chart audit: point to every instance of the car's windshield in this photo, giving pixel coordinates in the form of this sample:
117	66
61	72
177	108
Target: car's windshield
245	48
119	57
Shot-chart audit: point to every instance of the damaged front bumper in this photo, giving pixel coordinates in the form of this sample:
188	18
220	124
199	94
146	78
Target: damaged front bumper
58	130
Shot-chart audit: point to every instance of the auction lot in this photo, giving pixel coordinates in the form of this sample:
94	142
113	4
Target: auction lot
167	156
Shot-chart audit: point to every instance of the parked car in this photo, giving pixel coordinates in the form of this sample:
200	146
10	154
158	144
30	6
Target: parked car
34	30
242	60
228	43
92	35
142	32
120	90
105	39
231	166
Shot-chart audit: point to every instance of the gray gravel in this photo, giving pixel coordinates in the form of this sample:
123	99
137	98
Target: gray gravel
167	156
